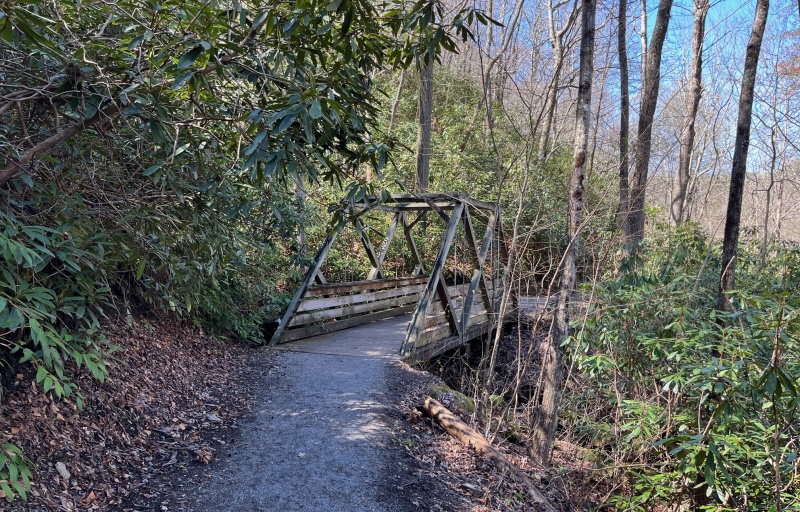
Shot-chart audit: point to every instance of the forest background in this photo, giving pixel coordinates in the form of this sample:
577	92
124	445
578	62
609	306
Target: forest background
188	157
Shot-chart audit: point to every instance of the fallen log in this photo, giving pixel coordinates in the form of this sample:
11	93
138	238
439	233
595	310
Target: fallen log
468	437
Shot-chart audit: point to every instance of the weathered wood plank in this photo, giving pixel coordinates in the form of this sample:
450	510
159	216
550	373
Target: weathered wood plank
441	287
418	320
425	352
385	245
307	280
438	319
314	330
479	257
344	300
440	331
409	207
361	286
351	309
435	207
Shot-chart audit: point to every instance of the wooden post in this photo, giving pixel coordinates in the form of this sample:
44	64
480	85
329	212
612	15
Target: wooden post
385	245
420	267
435	284
307	280
479	256
376	270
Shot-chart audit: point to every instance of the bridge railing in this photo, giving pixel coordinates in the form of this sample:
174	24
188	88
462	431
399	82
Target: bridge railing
333	307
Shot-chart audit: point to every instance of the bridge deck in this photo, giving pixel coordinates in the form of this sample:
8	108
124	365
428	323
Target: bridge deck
381	339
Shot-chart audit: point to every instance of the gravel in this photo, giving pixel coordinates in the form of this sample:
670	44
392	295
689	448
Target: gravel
325	435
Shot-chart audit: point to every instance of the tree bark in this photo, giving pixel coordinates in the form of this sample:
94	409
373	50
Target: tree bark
633	228
701	8
544	428
733	214
424	128
624	107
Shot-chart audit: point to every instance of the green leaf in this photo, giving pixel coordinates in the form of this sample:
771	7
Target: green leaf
151	170
188	59
286	122
316	109
7	491
140	269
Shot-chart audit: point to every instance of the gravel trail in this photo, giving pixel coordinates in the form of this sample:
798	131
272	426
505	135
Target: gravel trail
322	437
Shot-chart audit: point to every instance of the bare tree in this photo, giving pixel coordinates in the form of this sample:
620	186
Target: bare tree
424	126
624	106
677	209
633	225
552	368
733	214
557	40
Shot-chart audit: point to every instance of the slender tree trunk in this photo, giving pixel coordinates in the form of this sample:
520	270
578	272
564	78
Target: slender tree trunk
552	369
633	228
768	202
643	38
557	40
424	128
396	102
624	107
695	92
779	214
733	214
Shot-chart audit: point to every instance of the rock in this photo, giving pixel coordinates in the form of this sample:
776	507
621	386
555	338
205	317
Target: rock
213	418
62	470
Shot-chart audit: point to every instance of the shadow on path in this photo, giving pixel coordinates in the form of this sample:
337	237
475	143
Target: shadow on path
325	435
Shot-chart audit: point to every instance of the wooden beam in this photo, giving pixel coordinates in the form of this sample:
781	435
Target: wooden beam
307	280
409	207
434	348
386	243
412	244
479	256
361	286
350	309
373	258
441	286
435	207
319	278
335	302
418	320
420	216
483	205
314	330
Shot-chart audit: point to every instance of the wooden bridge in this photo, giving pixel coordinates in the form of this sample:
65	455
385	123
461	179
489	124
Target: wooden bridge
457	298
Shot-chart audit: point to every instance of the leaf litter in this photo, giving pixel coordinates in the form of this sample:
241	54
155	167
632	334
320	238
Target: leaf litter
171	390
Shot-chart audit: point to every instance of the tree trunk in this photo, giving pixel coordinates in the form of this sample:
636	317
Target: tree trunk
733	214
424	129
643	37
544	428
633	228
695	91
624	108
396	102
557	40
768	203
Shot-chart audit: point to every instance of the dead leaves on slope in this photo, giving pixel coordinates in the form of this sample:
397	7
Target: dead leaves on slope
164	398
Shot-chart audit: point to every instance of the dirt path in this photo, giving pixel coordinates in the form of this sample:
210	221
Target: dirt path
325	435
